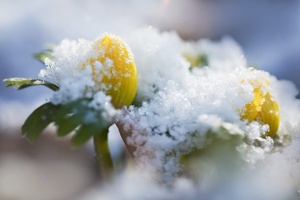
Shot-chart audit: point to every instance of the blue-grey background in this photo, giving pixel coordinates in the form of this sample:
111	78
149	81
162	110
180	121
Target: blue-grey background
267	30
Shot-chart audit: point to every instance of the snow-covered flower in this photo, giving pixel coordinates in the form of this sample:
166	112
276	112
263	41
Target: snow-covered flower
114	69
263	108
82	68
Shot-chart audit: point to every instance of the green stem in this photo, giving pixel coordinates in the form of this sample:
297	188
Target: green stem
103	156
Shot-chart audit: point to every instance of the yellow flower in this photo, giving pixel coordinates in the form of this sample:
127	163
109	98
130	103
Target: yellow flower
193	60
198	60
118	75
263	108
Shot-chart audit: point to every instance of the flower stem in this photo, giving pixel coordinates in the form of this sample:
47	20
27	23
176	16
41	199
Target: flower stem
103	156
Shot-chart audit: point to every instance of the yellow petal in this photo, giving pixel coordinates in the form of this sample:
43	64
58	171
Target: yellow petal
269	114
120	79
193	60
199	60
263	109
252	109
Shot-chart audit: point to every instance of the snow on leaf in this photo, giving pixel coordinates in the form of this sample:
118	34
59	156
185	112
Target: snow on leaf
21	83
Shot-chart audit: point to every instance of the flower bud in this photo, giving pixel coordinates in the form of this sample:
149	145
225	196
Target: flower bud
263	108
114	69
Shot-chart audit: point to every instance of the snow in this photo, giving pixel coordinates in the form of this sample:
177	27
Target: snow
181	110
68	57
154	54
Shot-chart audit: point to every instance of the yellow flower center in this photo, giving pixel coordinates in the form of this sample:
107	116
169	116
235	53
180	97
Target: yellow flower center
263	108
114	69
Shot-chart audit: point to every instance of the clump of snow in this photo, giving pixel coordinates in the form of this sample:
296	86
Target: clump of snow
66	71
224	55
154	53
184	117
75	86
101	102
186	109
68	57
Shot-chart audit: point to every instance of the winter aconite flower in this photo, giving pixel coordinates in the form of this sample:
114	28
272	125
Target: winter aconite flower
113	67
263	108
199	60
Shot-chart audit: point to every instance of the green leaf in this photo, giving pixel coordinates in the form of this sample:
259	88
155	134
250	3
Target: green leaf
200	61
21	83
67	124
38	120
70	116
203	60
85	132
44	54
76	116
79	117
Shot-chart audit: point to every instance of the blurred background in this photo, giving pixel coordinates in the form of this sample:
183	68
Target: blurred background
267	30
